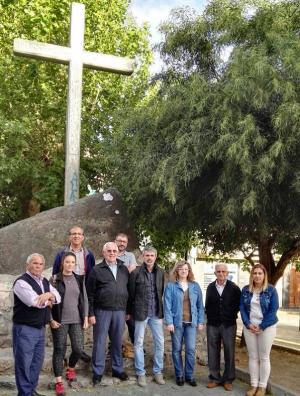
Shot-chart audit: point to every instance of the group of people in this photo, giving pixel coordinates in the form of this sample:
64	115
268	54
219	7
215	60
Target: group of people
118	291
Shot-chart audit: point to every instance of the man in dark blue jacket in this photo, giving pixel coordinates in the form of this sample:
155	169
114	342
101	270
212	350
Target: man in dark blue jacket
85	259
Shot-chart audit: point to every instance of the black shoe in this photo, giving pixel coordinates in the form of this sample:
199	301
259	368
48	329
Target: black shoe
85	357
191	381
122	376
179	381
96	379
35	393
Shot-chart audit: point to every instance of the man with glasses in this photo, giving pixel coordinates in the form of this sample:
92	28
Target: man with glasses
108	295
222	306
129	261
85	259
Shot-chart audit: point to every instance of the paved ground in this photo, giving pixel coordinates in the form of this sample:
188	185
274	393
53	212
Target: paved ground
288	335
152	389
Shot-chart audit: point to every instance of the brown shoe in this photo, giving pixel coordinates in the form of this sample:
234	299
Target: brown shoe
212	384
228	387
251	391
260	391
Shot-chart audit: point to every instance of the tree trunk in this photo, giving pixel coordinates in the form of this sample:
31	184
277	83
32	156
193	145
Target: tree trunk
266	258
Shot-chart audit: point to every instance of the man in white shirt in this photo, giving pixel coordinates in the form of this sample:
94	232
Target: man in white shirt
222	306
33	298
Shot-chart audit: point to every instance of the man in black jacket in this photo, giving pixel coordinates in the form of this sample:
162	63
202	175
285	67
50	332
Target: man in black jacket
146	287
222	306
107	294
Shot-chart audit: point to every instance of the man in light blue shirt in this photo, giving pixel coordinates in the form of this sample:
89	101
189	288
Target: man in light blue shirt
129	261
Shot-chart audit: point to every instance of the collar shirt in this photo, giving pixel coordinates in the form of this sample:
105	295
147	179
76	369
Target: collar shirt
28	296
80	261
220	288
128	258
113	267
152	294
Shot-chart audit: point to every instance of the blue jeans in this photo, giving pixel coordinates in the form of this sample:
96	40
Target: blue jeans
156	326
187	335
28	348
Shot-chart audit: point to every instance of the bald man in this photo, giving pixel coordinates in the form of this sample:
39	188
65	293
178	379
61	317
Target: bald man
108	295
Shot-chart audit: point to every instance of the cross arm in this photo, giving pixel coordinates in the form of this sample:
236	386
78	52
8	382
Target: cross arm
36	49
111	63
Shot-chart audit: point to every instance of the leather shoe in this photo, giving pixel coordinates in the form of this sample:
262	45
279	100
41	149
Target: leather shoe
212	384
180	381
35	393
96	379
191	382
228	387
122	376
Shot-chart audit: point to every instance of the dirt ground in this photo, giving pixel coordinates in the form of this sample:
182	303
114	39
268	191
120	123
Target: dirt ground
285	367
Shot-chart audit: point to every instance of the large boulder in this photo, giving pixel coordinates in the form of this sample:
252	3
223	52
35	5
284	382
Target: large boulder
100	215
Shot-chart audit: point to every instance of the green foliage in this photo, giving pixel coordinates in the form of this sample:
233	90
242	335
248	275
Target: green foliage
33	98
215	154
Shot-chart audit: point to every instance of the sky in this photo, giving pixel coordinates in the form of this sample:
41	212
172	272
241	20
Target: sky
157	11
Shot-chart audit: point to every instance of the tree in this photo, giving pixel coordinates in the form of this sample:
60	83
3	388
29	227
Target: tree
33	100
216	152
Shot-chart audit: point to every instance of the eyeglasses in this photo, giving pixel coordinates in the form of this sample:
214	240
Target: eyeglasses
111	251
121	240
221	272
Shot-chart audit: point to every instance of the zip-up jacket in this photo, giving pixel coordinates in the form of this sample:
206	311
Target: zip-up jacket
139	286
89	261
104	291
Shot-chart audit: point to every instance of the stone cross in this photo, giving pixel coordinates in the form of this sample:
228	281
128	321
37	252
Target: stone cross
76	57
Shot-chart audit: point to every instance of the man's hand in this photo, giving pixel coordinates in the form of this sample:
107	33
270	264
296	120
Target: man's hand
131	267
42	299
200	326
92	320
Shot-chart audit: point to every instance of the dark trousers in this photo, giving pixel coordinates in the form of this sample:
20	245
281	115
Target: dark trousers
59	336
216	334
108	323
28	349
131	327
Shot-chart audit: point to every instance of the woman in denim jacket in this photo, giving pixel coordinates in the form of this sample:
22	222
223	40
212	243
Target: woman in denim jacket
184	314
259	305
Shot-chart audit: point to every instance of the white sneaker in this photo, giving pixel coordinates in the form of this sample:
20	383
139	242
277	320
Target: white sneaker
159	379
141	380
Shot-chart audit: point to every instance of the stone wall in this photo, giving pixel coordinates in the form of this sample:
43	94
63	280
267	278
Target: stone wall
100	215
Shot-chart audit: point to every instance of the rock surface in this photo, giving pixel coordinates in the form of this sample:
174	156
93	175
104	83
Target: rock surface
101	216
